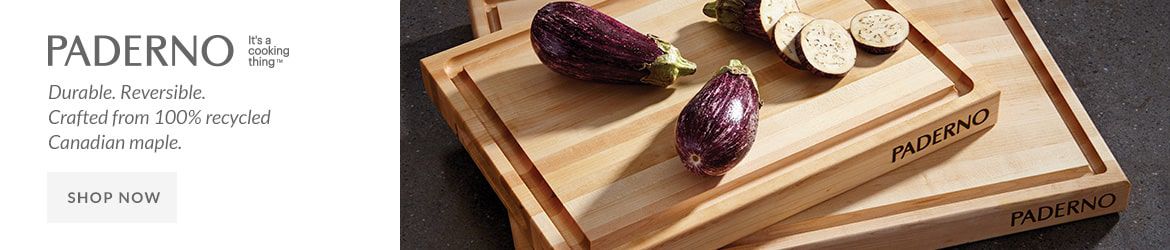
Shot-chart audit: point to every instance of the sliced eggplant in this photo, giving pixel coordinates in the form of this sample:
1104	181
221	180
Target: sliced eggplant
577	41
879	31
718	126
784	36
827	48
754	17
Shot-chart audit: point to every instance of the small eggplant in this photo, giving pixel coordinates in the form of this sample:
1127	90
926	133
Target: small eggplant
577	41
754	17
718	126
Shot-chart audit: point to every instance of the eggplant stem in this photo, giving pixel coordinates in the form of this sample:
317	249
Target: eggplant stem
711	9
736	67
726	12
669	66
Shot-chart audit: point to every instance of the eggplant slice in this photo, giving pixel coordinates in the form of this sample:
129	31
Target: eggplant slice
827	48
784	37
879	31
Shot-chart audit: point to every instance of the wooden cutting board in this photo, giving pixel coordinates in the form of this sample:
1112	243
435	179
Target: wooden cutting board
599	159
1044	156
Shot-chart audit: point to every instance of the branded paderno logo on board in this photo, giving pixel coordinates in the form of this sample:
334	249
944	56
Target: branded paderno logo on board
1062	209
941	134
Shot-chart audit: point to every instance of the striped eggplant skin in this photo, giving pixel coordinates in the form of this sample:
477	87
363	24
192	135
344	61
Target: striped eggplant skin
753	17
577	41
718	126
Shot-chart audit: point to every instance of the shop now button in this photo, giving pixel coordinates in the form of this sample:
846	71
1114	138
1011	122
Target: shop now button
107	197
111	197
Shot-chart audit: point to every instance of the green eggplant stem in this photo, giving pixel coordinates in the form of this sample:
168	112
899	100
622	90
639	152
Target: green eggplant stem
736	67
669	66
726	12
710	9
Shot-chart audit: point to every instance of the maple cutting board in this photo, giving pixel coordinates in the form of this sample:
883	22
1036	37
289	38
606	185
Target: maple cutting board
1044	156
599	159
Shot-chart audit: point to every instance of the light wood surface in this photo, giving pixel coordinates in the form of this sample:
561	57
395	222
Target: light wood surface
1044	150
598	159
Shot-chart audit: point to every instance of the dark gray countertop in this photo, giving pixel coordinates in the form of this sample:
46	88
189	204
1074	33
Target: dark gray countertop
1114	53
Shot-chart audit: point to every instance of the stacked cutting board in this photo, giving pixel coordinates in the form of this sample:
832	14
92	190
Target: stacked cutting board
587	165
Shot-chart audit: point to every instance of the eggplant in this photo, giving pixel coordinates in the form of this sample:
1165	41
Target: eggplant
826	48
580	42
718	126
754	17
784	37
879	31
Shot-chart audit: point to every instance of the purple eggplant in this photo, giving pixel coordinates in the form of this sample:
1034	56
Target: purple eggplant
754	17
577	41
718	126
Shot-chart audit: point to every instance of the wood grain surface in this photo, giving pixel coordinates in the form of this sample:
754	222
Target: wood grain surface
1044	150
605	176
